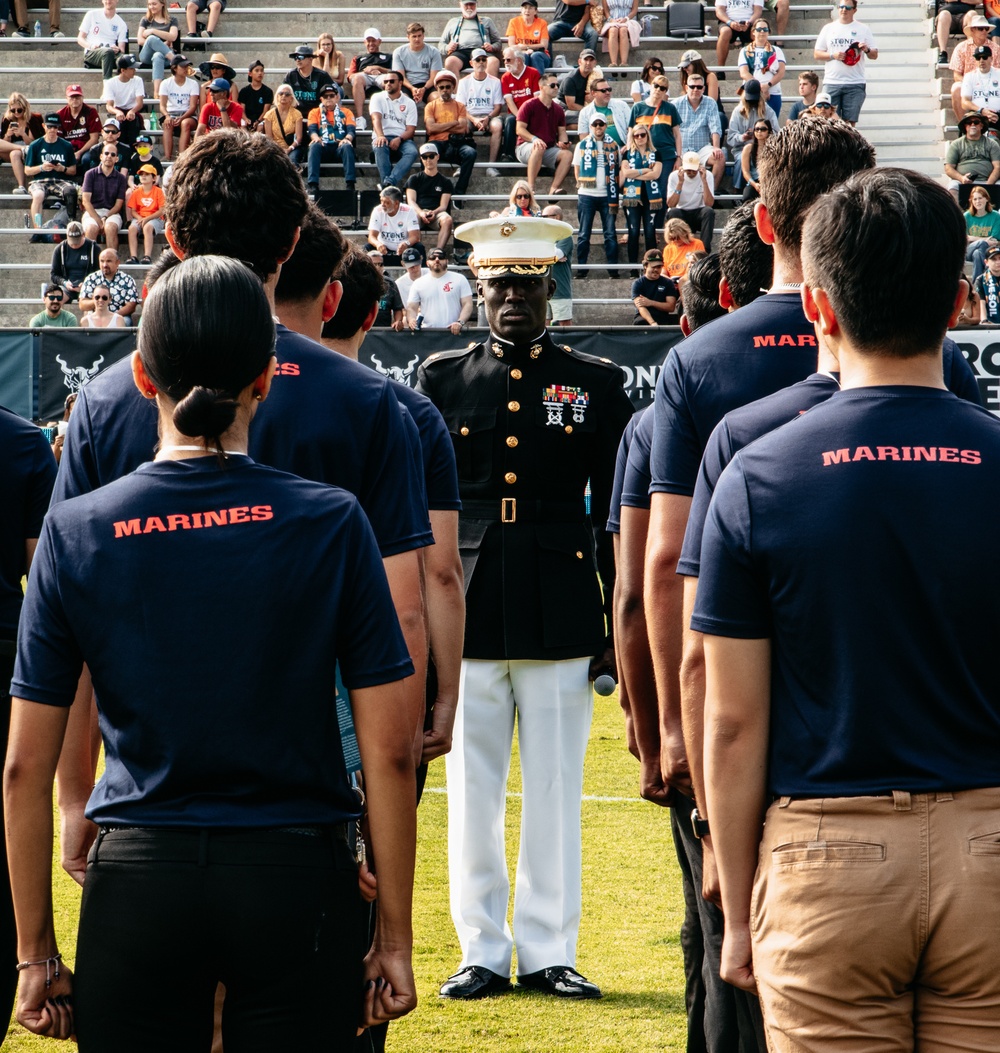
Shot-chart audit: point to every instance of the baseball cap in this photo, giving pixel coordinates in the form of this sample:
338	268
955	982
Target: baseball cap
588	53
179	60
372	33
479	53
823	97
219	84
653	256
428	149
437	254
530	3
410	256
688	58
691	162
52	119
126	62
74	89
329	89
995	251
597	119
74	229
111	122
144	139
982	52
751	90
147	168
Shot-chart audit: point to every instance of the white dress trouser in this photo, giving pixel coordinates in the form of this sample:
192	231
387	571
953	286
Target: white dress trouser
554	704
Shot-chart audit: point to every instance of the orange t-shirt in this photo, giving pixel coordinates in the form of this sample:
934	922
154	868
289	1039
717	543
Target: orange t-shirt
441	112
535	34
145	204
675	263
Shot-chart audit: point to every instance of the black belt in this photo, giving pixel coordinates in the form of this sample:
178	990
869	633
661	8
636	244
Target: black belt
522	510
226	845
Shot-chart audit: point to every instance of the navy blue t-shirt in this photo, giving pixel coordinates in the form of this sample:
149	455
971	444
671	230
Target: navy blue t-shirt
615	507
659	290
27	472
741	426
834	537
439	465
726	363
211	606
327	418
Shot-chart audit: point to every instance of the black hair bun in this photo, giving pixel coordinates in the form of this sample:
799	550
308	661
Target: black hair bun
205	412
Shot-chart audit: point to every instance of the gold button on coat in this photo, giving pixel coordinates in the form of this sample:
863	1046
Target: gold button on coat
579	555
513	406
463	431
510	477
512	441
569	429
515	374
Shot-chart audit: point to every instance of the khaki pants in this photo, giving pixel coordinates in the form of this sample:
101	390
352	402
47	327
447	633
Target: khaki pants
876	923
21	12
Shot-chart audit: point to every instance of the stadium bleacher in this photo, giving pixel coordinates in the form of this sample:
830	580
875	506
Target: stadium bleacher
902	110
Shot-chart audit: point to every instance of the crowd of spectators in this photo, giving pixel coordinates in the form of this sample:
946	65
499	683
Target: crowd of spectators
662	156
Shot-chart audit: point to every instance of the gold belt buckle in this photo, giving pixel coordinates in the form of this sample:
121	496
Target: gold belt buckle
508	510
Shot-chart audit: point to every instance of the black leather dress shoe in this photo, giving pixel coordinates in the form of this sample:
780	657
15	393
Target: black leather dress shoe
475	981
561	981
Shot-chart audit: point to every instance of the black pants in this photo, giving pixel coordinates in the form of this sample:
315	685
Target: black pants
721	1018
8	931
167	914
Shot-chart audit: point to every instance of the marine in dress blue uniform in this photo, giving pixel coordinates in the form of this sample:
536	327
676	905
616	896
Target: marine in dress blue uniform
531	422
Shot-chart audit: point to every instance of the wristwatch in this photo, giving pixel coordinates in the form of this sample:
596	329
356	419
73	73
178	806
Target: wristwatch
699	825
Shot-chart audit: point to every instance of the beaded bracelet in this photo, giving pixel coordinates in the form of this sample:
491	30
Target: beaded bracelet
51	967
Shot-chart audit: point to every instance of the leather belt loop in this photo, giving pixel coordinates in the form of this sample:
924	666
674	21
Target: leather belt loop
508	510
784	801
944	795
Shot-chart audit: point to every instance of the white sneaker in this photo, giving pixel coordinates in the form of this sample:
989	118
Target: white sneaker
493	173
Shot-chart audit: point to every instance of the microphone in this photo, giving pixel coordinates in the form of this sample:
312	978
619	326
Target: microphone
605	684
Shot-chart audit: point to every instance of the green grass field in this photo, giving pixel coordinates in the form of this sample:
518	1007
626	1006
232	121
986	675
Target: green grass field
629	943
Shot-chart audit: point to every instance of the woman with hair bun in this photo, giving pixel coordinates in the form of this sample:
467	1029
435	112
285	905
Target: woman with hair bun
216	603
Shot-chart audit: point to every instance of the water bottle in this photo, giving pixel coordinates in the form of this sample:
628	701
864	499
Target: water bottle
154	121
420	321
38	28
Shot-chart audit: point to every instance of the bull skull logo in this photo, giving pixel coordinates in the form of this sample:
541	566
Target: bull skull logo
401	374
74	377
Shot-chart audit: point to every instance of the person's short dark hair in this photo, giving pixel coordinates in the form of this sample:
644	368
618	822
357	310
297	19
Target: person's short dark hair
747	262
363	287
52	288
318	253
804	160
810	76
160	266
238	195
887	226
700	291
207	333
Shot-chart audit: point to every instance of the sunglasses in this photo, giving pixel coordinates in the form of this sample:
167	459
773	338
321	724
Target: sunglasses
656	69
696	87
480	59
823	106
517	197
54	299
17	109
639	135
763	128
762	29
602	90
98	299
